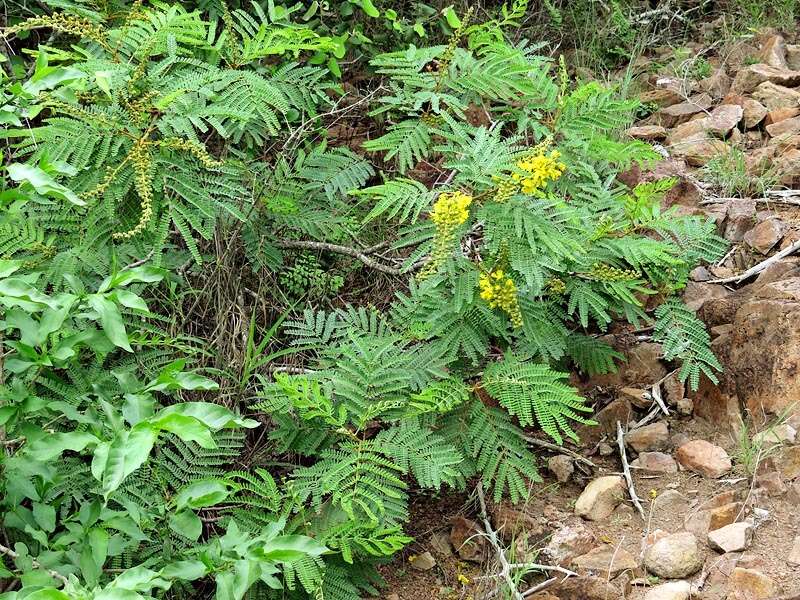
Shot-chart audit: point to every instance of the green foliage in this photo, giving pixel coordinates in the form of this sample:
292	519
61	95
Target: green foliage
431	325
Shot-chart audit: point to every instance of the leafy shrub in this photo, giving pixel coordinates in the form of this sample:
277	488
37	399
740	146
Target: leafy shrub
169	139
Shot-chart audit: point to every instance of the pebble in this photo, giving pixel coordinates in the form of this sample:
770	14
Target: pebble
422	562
704	458
599	499
735	537
674	590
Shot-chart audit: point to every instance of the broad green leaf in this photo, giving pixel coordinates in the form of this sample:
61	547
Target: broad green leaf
48	594
130	300
43	183
53	445
143	274
137	408
200	494
451	17
139	579
368	7
287	548
127	452
185	427
110	320
186	570
7	267
45	516
187	524
213	415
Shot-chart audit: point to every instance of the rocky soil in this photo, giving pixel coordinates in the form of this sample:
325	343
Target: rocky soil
716	473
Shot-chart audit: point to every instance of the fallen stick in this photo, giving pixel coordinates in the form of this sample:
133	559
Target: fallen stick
560	450
505	572
627	470
755	270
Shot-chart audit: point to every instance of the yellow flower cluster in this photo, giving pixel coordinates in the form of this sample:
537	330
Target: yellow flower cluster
603	272
142	182
500	291
450	211
555	286
537	170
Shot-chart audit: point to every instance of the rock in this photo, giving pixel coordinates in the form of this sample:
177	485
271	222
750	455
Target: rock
764	236
753	113
392	597
655	463
749	584
676	114
674	388
513	521
468	539
773	52
616	410
647	132
606	560
794	493
717	85
639	397
599	499
704	458
568	543
718	123
794	553
699	149
788	462
781	114
777	434
774	96
422	562
586	588
700	274
771	484
685	407
748	78
561	466
440	543
674	590
648	438
735	537
710	518
786	127
605	449
787	166
740	218
697	294
674	556
793	56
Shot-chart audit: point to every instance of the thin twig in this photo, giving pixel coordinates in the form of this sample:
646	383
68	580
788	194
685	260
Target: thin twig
539	587
505	572
35	564
560	450
530	565
760	266
627	470
354	252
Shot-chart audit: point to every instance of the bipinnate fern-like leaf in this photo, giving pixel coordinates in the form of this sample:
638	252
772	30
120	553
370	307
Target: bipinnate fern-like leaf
684	337
534	393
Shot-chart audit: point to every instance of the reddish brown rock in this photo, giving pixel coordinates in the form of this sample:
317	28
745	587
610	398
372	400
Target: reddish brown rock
655	463
771	484
793	56
735	537
717	124
676	114
781	114
750	77
709	518
697	294
786	127
716	85
704	458
698	149
788	462
787	165
638	397
649	437
514	521
765	236
586	588
468	539
599	499
561	466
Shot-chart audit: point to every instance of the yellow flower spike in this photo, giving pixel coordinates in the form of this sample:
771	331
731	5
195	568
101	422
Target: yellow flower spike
499	291
462	579
450	211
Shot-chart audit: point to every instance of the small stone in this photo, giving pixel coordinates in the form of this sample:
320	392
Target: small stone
514	521
718	123
788	462
749	584
674	590
711	518
605	449
717	84
764	236
674	556
587	587
683	111
605	560
647	132
771	484
561	466
392	597
793	495
781	114
568	543
599	499
778	434
440	543
648	438
787	166
655	463
468	539
422	562
700	274
704	458
753	112
638	397
698	149
678	439
674	387
740	218
794	553
685	407
735	537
